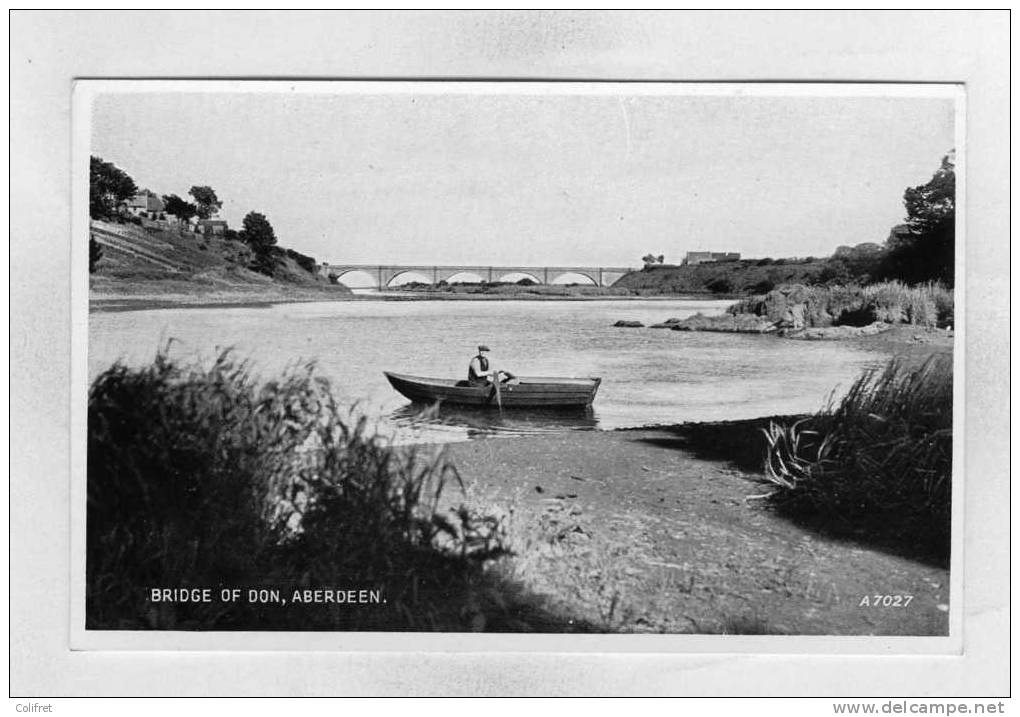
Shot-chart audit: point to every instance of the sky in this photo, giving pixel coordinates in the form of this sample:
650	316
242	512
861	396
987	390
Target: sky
505	174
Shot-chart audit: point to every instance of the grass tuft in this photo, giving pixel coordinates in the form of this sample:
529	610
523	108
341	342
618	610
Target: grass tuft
877	464
203	477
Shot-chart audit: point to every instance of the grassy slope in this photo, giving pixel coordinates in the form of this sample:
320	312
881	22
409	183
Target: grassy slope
151	262
741	277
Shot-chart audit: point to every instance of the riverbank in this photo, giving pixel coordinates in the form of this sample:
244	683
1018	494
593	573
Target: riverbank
659	530
171	296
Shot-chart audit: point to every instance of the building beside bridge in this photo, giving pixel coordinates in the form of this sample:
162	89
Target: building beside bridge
707	257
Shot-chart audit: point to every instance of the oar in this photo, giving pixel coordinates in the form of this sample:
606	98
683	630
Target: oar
495	383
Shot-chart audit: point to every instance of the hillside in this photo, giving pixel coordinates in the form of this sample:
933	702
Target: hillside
746	276
157	266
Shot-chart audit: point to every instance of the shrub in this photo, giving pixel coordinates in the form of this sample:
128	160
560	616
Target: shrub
763	287
95	254
889	301
202	477
306	262
879	463
942	298
720	285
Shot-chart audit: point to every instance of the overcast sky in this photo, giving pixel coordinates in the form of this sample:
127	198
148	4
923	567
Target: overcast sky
493	178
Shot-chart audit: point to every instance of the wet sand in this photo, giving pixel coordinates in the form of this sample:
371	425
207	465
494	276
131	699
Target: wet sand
632	530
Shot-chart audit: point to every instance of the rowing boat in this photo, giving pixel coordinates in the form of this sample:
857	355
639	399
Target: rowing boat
522	392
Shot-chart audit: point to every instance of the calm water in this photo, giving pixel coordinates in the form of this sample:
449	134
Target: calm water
648	376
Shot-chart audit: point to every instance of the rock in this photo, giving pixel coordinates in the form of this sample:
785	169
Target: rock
830	333
539	489
741	324
793	317
667	324
577	535
629	324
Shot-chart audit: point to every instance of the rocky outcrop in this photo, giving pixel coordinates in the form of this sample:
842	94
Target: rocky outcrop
741	324
629	324
667	324
830	333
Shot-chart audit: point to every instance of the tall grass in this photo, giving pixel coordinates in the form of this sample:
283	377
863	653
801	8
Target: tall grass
891	302
204	477
878	463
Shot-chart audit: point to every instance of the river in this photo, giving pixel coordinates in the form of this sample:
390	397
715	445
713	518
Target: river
648	376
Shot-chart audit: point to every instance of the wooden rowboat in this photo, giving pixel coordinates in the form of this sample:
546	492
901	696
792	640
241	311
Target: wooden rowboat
523	392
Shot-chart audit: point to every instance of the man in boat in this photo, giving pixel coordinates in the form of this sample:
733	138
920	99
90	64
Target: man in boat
479	372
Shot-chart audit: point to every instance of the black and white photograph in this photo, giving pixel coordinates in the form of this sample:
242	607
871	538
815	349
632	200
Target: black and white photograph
529	357
510	353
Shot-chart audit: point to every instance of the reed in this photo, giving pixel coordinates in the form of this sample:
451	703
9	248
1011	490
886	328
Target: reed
877	463
205	477
890	302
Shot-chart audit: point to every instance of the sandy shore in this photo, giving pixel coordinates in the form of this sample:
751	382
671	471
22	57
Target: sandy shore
635	531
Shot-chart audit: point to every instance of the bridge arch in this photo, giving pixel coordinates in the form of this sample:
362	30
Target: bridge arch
518	275
559	275
354	278
460	277
411	275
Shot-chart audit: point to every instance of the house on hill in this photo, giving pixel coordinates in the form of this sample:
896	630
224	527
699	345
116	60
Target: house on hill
211	227
707	257
144	203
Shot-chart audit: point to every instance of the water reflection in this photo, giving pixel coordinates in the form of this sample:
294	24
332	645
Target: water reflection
485	422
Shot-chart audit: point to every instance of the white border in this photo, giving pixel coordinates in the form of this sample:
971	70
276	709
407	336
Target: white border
86	91
49	50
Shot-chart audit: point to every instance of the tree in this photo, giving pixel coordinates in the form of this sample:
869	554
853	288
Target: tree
95	253
924	250
257	233
652	259
207	204
108	187
179	208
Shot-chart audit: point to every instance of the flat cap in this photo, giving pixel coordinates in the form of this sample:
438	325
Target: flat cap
483	347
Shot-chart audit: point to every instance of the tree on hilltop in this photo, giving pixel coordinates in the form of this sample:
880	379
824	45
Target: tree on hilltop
257	233
926	251
207	203
109	185
179	208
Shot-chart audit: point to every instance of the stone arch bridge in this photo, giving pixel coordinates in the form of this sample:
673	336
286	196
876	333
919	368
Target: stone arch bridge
384	274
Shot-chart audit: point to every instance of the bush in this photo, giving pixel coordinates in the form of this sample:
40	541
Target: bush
200	477
879	463
763	287
720	285
306	262
95	254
